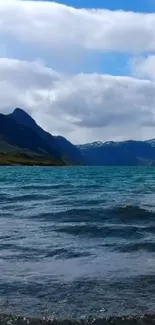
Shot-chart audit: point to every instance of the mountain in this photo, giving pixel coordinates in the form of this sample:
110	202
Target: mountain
125	153
22	118
23	141
60	146
19	139
69	151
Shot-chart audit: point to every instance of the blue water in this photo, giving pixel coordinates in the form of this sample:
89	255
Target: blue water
76	242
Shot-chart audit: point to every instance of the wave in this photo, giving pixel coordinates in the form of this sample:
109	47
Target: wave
67	254
42	187
27	198
29	253
132	213
100	231
121	214
134	247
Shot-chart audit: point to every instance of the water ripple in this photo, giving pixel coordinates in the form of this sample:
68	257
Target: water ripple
77	241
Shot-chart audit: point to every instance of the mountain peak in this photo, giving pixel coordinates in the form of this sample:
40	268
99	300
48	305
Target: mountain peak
20	111
22	117
60	147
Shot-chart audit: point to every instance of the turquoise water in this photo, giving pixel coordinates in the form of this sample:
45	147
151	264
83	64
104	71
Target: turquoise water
76	242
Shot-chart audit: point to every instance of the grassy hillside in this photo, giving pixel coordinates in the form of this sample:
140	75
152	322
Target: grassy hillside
13	159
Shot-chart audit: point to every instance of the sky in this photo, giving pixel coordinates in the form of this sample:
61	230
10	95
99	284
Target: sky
82	69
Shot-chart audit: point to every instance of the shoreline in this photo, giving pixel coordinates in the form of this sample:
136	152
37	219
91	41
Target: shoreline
31	162
31	165
115	320
26	159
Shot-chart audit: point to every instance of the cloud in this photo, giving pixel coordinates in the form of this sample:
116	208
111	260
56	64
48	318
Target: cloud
143	67
56	27
83	107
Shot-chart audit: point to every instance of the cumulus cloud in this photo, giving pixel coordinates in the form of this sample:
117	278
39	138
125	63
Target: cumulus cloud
81	107
57	27
143	67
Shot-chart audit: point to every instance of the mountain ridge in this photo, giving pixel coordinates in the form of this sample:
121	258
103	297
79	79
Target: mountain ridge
62	148
18	139
22	139
123	153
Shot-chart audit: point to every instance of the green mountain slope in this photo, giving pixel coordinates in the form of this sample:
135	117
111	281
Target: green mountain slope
17	140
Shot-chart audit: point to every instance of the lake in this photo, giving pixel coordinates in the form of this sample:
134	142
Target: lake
77	241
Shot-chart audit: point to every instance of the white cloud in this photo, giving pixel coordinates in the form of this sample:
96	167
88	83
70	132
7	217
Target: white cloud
58	27
143	67
81	107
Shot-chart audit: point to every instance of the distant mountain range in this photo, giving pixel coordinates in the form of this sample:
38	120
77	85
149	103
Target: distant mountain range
23	141
125	153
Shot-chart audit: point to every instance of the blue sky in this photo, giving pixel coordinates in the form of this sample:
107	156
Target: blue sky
133	5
